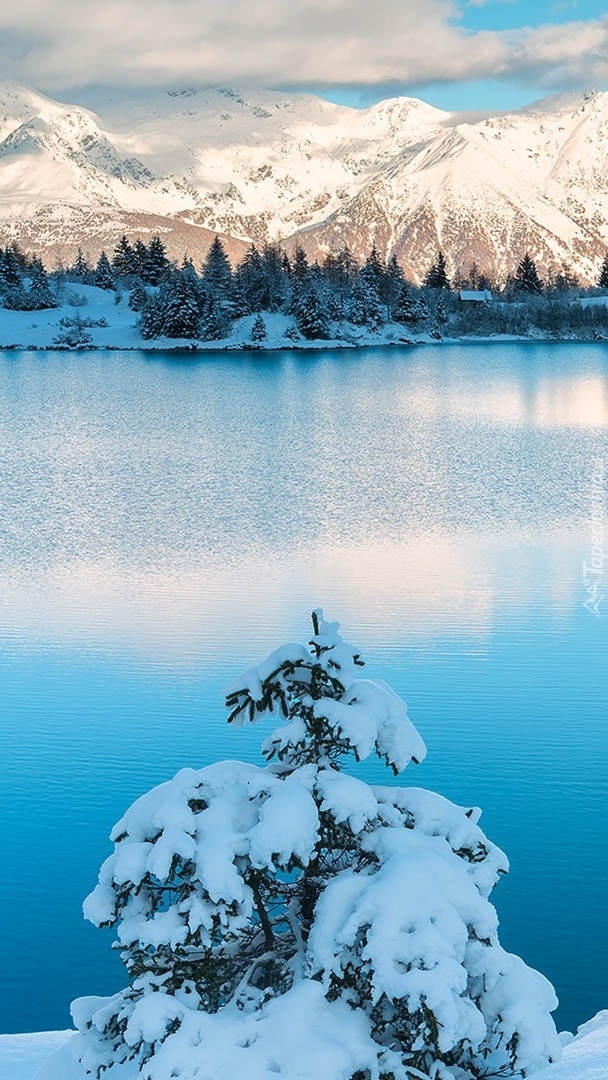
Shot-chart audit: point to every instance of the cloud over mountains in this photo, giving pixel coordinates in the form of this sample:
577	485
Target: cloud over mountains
64	43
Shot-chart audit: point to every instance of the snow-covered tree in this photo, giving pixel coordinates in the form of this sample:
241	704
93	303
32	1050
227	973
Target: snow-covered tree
603	278
292	920
157	263
411	309
123	262
138	297
311	313
364	307
217	272
104	278
40	294
259	332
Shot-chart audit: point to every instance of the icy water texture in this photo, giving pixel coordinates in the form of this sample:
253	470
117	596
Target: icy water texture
165	521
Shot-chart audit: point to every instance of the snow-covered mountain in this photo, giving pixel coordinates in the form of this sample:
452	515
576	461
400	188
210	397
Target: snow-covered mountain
260	165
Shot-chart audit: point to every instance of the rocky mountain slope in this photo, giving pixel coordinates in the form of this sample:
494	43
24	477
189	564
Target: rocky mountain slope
259	165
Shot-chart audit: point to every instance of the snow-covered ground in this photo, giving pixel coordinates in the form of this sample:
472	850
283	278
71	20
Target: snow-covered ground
38	329
21	1057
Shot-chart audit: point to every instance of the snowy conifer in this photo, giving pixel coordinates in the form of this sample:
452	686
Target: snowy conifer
104	278
311	314
80	269
411	309
122	258
138	297
603	278
40	296
157	262
294	920
364	307
217	272
259	332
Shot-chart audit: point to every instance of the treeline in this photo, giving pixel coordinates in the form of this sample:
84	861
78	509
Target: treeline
323	298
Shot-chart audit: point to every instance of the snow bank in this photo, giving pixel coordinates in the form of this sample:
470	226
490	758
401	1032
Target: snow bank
21	1056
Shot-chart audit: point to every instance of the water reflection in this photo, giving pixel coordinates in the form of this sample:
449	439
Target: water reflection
163	521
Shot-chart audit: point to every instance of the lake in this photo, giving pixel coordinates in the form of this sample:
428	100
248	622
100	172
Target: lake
166	520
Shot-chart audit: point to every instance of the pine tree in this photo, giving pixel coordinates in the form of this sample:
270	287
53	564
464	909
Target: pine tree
250	283
122	258
157	263
138	297
104	278
311	314
139	261
10	270
411	310
259	332
150	322
374	270
215	322
80	268
437	274
40	296
391	286
217	272
526	277
258	904
364	307
603	278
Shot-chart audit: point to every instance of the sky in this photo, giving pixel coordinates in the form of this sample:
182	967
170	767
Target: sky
456	54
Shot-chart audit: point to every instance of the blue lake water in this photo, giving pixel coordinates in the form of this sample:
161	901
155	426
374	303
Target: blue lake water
165	521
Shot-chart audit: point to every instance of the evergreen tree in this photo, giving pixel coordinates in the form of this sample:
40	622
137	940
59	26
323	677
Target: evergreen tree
391	286
80	268
139	261
276	280
374	270
411	309
603	278
215	322
311	314
40	296
10	270
526	278
151	319
250	281
364	307
259	332
104	278
122	258
217	272
437	274
138	297
255	906
158	263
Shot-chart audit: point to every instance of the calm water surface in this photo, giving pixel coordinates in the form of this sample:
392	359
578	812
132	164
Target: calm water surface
165	521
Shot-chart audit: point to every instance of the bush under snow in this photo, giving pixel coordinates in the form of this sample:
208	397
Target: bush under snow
292	920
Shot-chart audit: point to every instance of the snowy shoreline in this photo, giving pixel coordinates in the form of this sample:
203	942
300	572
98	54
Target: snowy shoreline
112	327
22	1056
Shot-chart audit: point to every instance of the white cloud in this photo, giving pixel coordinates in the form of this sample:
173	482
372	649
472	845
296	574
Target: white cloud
61	43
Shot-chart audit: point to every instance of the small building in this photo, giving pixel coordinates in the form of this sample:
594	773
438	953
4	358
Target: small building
475	296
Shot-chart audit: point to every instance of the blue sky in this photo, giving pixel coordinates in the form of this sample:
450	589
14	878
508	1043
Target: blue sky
502	93
456	54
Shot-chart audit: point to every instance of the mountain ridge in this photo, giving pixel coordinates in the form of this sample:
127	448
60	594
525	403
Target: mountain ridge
263	166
